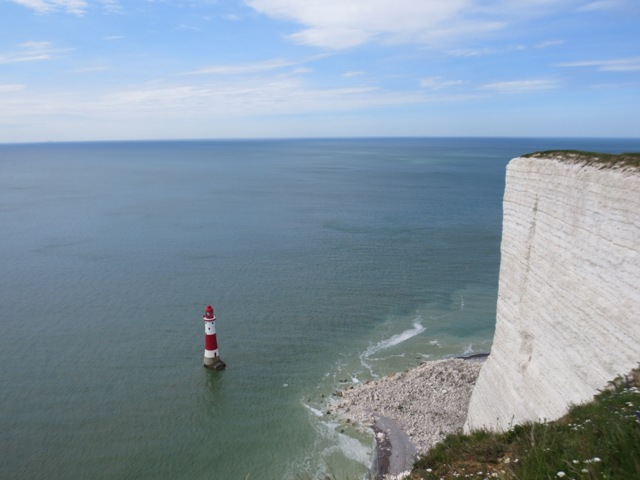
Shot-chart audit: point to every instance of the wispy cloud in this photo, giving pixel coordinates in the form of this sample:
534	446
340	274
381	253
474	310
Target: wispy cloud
36	45
438	83
90	69
481	52
331	37
549	43
471	52
598	5
75	7
111	6
352	74
244	68
520	86
29	52
238	98
630	64
277	95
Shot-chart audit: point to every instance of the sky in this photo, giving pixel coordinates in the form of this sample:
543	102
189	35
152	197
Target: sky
81	70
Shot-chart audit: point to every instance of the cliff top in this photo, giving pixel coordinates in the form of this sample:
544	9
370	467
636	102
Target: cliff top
625	161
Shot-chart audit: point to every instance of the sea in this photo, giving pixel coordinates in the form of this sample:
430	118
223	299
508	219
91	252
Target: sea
329	263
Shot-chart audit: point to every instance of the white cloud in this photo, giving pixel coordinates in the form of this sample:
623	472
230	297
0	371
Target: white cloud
75	7
25	57
599	5
438	83
348	23
205	101
520	86
471	52
36	45
111	6
29	52
264	96
331	37
90	69
244	68
549	43
631	64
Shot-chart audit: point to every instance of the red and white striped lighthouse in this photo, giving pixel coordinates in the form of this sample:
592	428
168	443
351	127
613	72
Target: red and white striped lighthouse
211	356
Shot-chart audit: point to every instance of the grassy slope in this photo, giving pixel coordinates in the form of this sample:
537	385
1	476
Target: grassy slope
600	439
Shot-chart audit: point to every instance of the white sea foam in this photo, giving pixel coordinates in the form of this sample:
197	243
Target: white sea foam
366	356
417	329
332	448
349	447
315	411
354	449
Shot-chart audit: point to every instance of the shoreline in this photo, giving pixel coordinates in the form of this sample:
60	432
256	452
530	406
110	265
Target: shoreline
411	411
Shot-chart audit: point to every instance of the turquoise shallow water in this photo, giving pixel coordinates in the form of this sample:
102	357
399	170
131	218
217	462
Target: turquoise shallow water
328	262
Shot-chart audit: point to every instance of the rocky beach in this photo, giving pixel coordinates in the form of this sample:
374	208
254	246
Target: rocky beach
411	411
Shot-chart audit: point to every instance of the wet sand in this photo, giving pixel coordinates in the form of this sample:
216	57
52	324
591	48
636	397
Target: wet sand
411	411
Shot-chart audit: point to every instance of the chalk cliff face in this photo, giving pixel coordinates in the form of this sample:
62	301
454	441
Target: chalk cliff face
568	313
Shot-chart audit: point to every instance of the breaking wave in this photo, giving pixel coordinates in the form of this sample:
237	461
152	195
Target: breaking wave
397	339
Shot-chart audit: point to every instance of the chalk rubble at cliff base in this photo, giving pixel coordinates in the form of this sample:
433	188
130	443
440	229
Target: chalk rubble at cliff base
427	402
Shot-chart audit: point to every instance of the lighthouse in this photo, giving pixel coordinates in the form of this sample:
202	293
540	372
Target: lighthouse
212	358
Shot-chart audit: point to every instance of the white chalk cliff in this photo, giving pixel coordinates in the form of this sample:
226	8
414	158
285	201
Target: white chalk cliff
568	312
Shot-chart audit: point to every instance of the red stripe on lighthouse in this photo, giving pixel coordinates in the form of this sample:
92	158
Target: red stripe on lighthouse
211	342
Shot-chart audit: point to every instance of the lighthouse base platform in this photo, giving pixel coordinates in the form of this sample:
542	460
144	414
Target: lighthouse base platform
214	363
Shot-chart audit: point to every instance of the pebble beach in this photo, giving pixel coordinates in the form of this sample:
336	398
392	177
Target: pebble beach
411	411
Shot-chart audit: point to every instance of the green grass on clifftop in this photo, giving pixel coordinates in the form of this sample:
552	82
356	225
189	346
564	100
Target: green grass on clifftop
597	440
630	161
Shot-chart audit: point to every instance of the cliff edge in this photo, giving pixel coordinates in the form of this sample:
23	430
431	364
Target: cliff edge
568	312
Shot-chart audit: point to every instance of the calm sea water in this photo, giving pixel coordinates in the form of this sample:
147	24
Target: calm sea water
328	262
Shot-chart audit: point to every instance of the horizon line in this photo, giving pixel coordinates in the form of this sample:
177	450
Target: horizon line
307	138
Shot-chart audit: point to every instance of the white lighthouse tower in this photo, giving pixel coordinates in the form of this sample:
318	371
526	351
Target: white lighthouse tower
212	358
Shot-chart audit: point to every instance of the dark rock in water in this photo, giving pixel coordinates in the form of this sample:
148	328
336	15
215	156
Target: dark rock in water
474	356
